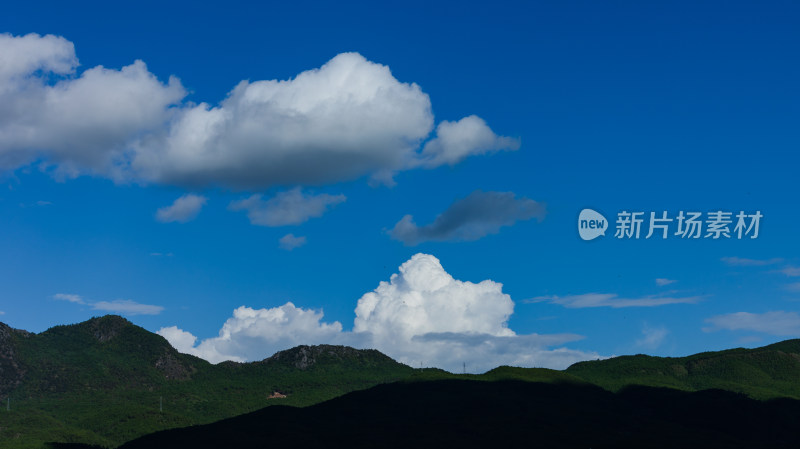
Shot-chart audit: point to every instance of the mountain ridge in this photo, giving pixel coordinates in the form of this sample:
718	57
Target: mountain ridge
106	381
762	373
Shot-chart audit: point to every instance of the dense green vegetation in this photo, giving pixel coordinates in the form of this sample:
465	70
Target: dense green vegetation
107	381
769	372
104	382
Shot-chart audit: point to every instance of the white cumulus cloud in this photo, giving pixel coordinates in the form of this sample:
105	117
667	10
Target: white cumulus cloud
79	124
664	281
181	340
292	207
253	334
423	298
422	315
425	315
182	210
346	119
27	54
458	140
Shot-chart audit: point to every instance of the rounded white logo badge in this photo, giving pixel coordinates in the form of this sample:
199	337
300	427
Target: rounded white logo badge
591	224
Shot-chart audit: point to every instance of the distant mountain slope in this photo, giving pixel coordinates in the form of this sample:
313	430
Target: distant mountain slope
327	356
11	370
104	381
100	354
473	414
544	375
767	372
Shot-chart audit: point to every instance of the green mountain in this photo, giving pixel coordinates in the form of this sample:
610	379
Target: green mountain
106	381
768	372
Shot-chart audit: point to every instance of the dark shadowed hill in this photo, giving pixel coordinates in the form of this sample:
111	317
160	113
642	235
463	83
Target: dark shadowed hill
473	414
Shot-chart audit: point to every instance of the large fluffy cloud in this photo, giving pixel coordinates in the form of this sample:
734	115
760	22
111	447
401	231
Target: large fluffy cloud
470	218
346	119
80	123
423	298
27	54
422	315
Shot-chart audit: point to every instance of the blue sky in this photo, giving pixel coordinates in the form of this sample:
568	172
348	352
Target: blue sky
504	120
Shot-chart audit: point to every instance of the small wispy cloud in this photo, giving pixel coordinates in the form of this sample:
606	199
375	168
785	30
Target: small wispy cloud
291	207
182	210
121	306
793	287
791	271
652	337
664	281
69	297
39	203
743	262
290	242
127	307
779	323
161	254
749	339
612	300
